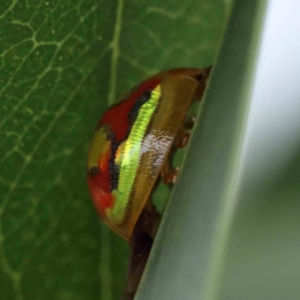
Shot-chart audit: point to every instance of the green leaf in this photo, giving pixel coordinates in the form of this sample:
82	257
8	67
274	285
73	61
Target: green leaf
62	63
231	227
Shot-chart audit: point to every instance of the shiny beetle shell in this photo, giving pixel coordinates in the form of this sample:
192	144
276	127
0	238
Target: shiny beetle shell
132	141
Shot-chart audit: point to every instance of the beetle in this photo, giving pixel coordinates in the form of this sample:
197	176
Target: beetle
131	148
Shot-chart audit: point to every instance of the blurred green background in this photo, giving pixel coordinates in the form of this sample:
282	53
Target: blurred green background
61	64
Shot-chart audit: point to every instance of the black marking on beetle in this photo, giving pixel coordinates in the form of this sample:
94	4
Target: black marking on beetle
137	106
199	77
114	171
93	171
132	115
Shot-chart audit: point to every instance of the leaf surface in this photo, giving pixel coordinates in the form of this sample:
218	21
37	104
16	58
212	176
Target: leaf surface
61	64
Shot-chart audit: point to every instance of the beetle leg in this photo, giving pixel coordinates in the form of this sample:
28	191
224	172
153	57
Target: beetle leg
184	134
168	174
189	122
183	140
202	78
140	245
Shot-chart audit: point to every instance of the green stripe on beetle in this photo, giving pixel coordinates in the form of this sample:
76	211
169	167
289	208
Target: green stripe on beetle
131	155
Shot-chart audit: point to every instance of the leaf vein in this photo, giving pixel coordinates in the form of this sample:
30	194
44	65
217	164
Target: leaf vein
115	46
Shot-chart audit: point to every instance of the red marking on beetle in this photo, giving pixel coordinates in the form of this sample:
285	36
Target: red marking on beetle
99	184
117	116
101	199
